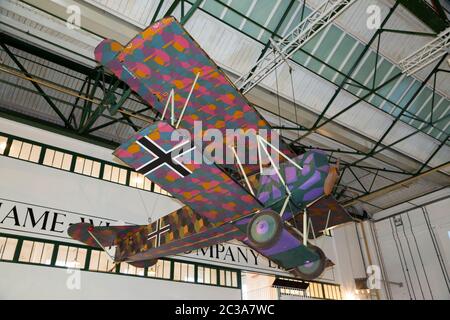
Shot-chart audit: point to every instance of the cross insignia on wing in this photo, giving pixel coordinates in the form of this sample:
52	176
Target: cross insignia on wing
155	236
163	157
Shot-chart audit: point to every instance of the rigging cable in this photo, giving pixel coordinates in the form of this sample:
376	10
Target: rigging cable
293	99
149	216
360	247
278	99
420	256
404	259
401	261
436	247
412	259
387	286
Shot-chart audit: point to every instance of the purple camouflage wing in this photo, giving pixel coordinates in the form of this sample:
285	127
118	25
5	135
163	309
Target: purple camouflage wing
106	236
205	188
288	252
165	57
325	213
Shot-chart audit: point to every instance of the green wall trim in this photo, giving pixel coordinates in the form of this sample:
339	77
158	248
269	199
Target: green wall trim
56	244
102	162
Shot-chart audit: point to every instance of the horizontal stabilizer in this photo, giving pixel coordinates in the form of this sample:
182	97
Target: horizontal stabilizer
324	214
143	263
104	236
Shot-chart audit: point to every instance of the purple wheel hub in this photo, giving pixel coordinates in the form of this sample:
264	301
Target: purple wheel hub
262	227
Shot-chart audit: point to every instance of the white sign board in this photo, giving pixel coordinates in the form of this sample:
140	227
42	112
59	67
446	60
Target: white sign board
37	221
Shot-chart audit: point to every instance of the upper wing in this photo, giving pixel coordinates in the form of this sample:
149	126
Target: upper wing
205	188
165	57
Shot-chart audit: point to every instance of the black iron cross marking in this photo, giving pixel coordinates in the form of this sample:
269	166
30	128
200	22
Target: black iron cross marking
158	232
163	157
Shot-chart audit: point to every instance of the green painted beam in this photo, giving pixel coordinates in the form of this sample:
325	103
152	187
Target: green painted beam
52	127
353	68
155	15
185	17
274	33
88	103
108	96
44	54
422	10
413	33
37	86
172	8
398	117
117	105
71	115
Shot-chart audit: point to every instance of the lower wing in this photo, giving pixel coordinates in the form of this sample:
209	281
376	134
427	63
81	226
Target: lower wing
287	250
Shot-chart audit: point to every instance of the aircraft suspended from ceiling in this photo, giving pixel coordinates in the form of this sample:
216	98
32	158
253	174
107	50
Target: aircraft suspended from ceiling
280	200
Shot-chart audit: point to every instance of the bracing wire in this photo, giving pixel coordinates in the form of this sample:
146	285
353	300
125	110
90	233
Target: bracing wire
293	98
420	256
149	215
278	98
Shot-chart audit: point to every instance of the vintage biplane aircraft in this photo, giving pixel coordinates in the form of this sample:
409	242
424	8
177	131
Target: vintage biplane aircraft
276	213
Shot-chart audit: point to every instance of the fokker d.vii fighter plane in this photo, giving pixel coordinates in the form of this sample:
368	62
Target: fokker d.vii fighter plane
275	210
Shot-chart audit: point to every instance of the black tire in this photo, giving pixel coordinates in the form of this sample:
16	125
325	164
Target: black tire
264	230
312	270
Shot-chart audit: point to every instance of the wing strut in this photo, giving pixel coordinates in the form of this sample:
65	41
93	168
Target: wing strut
242	170
171	100
107	251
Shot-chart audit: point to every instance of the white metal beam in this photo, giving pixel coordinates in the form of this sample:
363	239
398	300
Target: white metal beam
291	43
426	55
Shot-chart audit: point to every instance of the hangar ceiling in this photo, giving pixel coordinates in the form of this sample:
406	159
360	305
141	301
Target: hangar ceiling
342	92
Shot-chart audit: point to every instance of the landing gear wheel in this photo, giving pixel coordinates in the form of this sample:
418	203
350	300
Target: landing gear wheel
264	230
312	269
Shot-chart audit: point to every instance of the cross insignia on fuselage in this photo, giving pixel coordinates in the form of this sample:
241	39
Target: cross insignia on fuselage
159	231
163	157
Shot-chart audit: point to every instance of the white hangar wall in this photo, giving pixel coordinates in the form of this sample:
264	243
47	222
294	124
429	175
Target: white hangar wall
69	197
21	281
72	196
414	247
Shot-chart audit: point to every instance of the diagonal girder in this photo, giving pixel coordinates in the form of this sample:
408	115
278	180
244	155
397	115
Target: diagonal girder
397	118
348	75
37	86
291	43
